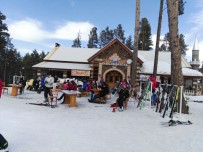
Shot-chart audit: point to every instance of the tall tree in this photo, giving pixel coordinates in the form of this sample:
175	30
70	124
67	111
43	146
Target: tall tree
181	7
182	45
93	38
29	60
145	41
129	42
9	57
105	37
4	36
156	58
77	41
176	68
135	52
120	33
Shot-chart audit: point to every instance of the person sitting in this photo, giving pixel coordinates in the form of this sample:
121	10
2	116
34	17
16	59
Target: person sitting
104	91
73	86
84	87
123	95
68	86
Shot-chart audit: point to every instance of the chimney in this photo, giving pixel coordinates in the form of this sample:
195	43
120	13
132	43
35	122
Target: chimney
57	45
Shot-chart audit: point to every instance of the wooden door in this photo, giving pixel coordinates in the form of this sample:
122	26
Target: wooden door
112	77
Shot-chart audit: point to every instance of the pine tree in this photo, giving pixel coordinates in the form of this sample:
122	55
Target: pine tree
145	41
167	44
77	41
5	46
105	37
93	38
129	43
4	36
120	33
183	47
181	7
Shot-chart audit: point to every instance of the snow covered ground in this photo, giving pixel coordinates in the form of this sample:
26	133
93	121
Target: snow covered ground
95	128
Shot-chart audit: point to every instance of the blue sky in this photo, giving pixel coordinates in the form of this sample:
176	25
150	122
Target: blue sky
39	24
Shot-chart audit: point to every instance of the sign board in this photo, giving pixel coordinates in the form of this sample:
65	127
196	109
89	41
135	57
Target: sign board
80	73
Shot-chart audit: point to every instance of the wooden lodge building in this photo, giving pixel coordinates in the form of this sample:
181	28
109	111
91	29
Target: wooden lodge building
113	63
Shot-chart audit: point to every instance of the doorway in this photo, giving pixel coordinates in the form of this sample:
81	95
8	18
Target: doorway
112	77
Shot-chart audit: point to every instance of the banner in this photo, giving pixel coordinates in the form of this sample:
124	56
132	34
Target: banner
80	73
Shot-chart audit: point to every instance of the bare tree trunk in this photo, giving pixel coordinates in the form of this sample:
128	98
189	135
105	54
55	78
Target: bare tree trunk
176	68
156	57
135	52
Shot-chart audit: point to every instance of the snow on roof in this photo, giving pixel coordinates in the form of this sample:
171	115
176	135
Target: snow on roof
164	64
165	69
70	54
82	54
163	56
62	65
191	72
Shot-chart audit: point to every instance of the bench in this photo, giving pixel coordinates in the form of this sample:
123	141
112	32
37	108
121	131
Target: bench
103	99
84	94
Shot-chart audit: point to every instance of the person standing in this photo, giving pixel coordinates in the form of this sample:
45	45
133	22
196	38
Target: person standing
22	84
49	80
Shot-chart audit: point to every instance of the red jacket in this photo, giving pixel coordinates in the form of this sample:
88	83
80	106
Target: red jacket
1	85
154	83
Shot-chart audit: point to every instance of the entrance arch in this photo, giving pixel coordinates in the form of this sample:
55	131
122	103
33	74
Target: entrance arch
113	75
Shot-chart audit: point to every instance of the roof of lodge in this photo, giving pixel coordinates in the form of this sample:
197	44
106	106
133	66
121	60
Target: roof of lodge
69	58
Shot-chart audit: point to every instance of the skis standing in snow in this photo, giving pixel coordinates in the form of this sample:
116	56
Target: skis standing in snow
143	96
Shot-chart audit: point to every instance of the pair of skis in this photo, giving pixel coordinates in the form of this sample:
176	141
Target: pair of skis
176	123
46	104
143	96
171	96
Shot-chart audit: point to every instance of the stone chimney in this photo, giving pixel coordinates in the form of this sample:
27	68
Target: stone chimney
57	45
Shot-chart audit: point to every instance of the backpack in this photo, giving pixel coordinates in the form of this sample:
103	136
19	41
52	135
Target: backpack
3	143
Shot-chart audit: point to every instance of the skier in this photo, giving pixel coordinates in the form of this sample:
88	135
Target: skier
49	80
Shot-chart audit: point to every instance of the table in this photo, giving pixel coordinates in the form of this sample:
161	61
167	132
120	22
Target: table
70	97
14	91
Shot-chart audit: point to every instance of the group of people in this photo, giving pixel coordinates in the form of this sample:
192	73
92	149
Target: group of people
122	89
68	85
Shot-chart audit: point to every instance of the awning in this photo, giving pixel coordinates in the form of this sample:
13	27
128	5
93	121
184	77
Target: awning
62	65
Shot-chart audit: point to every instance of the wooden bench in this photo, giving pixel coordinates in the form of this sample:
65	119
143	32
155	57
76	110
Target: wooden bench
85	94
103	99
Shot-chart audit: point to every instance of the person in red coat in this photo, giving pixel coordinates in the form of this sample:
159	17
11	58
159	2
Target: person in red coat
154	83
1	85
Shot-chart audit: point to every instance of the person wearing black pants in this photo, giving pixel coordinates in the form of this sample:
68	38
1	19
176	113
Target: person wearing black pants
104	90
123	95
49	80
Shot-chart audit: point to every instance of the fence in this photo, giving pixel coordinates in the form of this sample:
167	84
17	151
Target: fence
192	93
